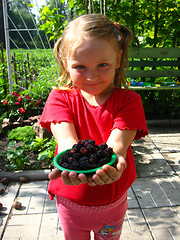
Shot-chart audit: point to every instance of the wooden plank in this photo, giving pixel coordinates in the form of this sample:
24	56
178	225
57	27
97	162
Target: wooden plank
154	52
154	88
154	63
153	73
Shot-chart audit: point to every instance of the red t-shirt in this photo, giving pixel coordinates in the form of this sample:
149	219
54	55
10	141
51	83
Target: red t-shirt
122	110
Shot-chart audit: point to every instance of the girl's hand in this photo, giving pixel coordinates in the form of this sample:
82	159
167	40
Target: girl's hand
108	174
56	173
72	178
68	178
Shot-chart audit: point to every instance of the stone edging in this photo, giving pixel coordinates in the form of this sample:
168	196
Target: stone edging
30	174
163	122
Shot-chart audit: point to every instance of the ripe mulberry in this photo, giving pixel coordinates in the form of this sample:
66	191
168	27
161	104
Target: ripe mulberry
86	155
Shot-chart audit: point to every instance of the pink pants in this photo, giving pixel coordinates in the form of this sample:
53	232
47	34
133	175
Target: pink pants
77	221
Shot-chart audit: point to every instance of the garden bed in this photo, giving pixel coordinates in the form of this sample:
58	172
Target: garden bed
22	149
33	163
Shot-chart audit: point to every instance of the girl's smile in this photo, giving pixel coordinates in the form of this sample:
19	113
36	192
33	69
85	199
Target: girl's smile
92	67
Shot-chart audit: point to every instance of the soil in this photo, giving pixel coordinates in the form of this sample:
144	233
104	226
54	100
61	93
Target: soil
3	148
5	164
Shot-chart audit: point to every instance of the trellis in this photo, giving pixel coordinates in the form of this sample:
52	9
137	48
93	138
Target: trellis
30	68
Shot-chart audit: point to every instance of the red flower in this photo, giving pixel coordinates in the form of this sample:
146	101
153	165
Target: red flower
17	103
21	110
38	101
5	103
16	94
27	97
20	99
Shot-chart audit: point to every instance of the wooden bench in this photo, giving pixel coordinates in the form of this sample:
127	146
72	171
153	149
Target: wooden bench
153	63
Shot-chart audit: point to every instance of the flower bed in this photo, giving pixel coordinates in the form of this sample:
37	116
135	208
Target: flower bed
17	106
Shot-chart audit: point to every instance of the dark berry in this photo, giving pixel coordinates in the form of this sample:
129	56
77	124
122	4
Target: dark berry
72	151
70	159
83	159
93	158
65	165
96	147
100	154
68	153
75	147
92	142
75	165
109	151
104	161
90	147
83	150
76	156
103	146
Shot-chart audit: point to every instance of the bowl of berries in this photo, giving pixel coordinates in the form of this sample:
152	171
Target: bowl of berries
85	157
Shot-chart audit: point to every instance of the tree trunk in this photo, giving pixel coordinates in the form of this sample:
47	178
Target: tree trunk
105	7
101	7
89	6
155	32
156	23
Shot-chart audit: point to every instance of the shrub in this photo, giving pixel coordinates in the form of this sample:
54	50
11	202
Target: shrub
21	133
20	106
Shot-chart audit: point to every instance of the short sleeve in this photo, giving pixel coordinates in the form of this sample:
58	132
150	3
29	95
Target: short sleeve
131	115
56	109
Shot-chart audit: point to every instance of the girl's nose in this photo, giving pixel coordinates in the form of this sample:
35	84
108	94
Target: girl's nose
91	75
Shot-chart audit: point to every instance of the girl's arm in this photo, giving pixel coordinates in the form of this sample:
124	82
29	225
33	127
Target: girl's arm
119	140
65	136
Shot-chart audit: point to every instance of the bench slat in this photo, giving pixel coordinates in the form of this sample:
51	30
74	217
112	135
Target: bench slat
154	52
154	63
153	73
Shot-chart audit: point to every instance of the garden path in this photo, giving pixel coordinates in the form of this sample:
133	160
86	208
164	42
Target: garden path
154	207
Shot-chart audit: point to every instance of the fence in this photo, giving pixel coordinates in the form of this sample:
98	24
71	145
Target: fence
33	64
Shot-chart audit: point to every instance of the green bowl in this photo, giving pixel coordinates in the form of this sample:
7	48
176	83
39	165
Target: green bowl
56	164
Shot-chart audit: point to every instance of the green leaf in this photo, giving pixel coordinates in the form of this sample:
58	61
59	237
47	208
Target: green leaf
11	155
43	155
71	3
11	144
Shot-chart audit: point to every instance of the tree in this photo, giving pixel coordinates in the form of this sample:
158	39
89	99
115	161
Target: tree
154	23
51	22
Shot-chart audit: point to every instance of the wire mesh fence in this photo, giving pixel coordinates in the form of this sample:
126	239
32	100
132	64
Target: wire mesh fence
33	67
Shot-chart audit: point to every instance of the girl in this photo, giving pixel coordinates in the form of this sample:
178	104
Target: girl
90	104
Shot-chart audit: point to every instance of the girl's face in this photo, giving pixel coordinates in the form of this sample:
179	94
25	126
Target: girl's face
92	66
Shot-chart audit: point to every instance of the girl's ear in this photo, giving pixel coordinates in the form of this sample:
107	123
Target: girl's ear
118	63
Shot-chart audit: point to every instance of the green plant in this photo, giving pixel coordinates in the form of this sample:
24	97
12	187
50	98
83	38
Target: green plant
36	144
52	22
161	104
45	147
21	133
20	106
27	151
17	156
48	153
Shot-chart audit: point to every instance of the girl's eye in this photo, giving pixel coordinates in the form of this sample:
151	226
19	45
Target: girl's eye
102	65
80	67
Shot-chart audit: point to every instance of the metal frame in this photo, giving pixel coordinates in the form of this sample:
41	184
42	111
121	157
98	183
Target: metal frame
8	48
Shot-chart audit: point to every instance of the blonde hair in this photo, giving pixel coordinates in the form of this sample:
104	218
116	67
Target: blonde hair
92	26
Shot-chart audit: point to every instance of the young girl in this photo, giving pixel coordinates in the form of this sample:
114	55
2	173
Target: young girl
90	104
